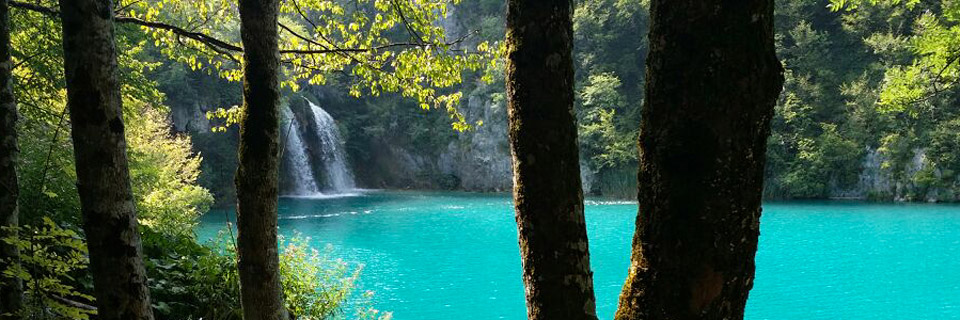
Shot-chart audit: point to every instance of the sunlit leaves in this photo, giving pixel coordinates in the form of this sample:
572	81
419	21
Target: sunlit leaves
229	116
49	256
850	5
383	45
164	171
610	142
935	44
936	68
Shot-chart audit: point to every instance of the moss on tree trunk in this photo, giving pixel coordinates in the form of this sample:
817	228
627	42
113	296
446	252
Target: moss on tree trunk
543	138
103	179
257	174
712	81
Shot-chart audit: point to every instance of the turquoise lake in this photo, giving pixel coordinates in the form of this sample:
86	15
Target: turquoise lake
455	255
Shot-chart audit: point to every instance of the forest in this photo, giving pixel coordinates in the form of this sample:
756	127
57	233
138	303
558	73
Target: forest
125	124
864	112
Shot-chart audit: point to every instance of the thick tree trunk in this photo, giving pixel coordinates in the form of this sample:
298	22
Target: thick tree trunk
103	179
258	173
546	168
712	81
11	289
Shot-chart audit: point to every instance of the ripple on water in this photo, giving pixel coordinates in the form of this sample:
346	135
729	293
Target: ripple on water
451	255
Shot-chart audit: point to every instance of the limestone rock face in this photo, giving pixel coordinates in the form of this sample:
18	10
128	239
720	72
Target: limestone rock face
880	183
190	117
480	159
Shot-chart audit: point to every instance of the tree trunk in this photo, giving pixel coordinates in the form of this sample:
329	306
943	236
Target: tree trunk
712	81
258	172
543	137
11	289
103	179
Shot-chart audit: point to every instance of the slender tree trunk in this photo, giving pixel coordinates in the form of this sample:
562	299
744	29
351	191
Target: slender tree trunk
259	156
103	179
11	289
546	165
712	80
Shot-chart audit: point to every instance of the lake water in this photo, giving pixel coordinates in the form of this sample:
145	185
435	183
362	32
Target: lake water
455	255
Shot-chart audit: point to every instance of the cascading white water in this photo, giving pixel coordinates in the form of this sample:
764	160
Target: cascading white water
334	157
330	155
304	182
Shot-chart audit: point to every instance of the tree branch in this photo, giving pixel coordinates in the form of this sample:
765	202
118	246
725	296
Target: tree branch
35	8
198	36
223	47
71	303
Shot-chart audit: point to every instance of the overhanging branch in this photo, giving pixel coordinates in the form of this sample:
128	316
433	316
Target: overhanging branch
225	48
198	36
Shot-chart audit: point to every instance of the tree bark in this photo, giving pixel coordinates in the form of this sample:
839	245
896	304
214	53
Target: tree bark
103	179
712	81
11	289
258	172
543	137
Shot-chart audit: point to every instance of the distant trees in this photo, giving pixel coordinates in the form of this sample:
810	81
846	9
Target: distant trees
912	97
610	43
543	138
713	80
11	288
103	179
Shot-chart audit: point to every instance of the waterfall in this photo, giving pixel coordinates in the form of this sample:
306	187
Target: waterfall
323	149
334	157
303	182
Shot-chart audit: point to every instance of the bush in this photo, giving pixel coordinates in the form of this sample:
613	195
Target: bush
53	264
164	172
193	281
189	280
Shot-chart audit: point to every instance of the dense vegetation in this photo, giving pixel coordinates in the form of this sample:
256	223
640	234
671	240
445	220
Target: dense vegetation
870	89
190	278
869	109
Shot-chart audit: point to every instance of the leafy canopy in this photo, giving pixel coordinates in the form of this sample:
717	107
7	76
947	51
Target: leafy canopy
935	44
382	45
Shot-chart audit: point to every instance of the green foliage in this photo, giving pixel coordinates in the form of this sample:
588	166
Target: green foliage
315	285
934	44
164	173
919	88
609	53
607	138
386	46
163	170
898	150
218	167
189	280
943	148
828	161
854	84
51	259
46	165
193	281
839	100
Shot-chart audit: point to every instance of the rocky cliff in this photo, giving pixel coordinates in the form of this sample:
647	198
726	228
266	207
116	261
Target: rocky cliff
915	182
479	159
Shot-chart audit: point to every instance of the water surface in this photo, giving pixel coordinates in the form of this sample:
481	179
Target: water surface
455	255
